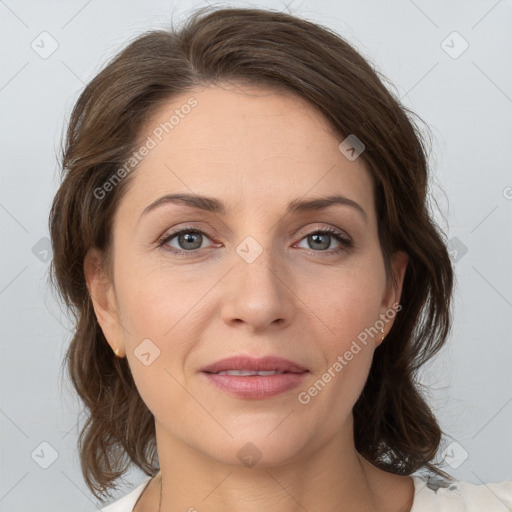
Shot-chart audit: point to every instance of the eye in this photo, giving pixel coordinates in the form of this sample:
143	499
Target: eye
188	240
321	239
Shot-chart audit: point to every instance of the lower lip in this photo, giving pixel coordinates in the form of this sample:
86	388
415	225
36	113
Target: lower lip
256	386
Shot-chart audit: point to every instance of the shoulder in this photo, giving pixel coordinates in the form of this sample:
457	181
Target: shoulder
127	502
434	495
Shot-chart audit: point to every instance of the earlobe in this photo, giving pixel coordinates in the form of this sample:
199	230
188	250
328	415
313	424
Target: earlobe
103	299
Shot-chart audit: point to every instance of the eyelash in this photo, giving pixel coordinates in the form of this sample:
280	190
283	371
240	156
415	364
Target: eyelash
345	243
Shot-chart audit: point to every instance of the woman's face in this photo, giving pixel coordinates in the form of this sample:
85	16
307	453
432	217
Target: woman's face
251	277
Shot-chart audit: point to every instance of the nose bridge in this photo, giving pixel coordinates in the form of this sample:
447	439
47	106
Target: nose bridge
258	295
258	264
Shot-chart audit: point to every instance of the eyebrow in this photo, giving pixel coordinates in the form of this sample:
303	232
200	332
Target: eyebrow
213	205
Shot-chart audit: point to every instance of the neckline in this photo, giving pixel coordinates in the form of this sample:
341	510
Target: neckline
141	488
420	496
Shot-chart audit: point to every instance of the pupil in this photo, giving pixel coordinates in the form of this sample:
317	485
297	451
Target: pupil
318	236
188	238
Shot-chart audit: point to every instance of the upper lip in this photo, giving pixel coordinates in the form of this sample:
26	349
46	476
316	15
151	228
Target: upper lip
267	363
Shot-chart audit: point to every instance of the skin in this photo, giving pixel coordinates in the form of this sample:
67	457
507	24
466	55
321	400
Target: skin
255	149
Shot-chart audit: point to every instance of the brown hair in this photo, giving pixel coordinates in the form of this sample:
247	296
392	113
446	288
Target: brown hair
394	427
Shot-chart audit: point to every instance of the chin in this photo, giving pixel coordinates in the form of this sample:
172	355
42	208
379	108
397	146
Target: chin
256	448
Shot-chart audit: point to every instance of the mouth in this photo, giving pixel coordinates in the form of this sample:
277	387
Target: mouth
252	378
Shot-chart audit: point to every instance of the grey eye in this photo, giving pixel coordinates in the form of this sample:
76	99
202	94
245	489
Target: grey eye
187	240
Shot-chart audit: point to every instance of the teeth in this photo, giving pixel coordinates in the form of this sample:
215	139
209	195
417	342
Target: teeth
248	373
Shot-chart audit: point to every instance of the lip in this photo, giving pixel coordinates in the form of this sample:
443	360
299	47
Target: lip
255	364
256	386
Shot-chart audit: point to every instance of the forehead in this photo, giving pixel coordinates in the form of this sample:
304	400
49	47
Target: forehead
259	146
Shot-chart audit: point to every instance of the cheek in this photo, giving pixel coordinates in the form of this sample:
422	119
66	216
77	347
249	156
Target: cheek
349	311
352	305
158	341
163	315
156	302
347	352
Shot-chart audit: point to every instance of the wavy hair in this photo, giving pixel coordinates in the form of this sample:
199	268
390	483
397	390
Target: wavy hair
394	427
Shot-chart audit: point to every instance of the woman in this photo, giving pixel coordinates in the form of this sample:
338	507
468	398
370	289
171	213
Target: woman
243	234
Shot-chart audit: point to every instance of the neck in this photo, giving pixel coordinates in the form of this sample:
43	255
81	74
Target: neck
320	480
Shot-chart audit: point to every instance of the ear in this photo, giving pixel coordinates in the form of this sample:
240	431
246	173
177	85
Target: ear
101	291
393	292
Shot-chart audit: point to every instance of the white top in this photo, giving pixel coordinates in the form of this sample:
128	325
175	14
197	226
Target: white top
429	496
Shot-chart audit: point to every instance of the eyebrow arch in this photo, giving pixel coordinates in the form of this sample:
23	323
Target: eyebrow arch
213	205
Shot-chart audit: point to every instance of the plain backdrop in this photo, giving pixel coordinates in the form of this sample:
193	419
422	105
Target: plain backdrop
449	62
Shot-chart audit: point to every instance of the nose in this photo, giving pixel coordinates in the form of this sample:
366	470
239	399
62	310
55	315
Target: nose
258	294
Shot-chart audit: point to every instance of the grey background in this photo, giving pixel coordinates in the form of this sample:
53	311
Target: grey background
467	101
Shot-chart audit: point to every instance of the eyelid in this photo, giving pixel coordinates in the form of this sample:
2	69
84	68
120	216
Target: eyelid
329	229
190	225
